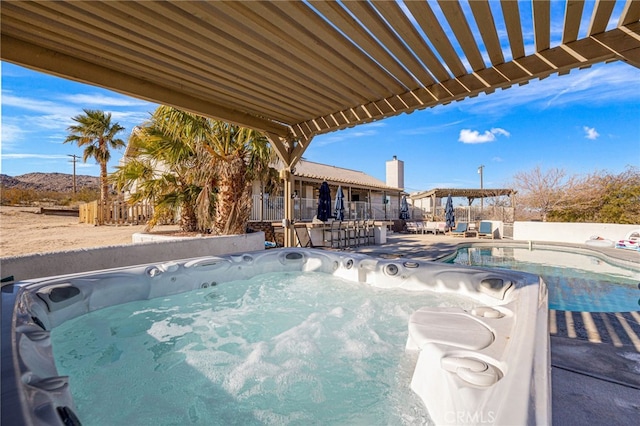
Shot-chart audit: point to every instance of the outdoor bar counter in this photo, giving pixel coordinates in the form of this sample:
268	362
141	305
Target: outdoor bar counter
319	233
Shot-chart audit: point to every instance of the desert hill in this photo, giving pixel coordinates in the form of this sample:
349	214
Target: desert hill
58	182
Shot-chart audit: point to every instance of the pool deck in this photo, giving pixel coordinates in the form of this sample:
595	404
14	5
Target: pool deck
595	357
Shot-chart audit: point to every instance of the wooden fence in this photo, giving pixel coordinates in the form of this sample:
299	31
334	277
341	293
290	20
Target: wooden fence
115	213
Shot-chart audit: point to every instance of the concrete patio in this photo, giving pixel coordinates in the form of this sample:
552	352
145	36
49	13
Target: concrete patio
595	357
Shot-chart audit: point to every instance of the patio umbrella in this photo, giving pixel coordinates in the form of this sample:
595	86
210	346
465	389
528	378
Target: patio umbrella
449	213
404	208
339	204
324	202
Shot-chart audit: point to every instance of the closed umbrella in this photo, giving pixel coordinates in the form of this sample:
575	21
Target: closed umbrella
404	208
449	213
339	204
324	202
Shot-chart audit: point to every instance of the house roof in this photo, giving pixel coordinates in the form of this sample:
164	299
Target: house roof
296	69
309	170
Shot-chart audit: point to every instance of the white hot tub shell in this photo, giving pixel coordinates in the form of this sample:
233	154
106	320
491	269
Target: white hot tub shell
488	365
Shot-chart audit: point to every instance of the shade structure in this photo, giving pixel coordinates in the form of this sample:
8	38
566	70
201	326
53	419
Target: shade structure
404	208
324	202
449	214
339	207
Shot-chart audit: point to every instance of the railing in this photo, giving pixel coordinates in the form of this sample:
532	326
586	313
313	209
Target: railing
475	214
272	209
115	213
269	208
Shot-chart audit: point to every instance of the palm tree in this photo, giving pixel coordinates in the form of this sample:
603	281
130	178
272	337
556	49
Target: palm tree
201	165
227	159
97	134
239	155
165	168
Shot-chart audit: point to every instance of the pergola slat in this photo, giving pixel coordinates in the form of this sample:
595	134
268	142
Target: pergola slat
270	47
542	24
374	74
297	40
630	14
572	19
487	26
361	38
601	15
211	56
392	13
511	14
215	74
428	22
453	12
384	35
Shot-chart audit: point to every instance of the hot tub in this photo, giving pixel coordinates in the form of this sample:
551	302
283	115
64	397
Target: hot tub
484	364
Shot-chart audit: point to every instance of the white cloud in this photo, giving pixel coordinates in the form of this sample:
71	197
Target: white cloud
38	156
590	133
346	134
474	136
599	85
36	105
102	100
11	135
428	129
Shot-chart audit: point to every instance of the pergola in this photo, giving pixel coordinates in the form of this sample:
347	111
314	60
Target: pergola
470	194
296	69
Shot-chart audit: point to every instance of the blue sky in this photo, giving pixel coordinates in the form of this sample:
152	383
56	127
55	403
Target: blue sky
586	121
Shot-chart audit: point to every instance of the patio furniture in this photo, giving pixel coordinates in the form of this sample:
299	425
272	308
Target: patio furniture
303	237
472	231
351	233
334	235
370	231
485	230
460	230
412	227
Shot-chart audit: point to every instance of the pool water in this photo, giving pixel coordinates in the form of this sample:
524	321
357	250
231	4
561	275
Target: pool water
285	348
577	282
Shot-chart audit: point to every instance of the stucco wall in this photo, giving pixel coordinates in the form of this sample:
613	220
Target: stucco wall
569	232
73	261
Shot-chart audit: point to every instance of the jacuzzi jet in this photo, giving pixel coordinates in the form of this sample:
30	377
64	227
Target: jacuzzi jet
391	269
153	271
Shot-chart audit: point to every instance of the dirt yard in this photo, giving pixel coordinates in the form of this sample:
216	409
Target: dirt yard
24	231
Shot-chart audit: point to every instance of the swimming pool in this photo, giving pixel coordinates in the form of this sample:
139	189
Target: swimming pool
578	281
472	344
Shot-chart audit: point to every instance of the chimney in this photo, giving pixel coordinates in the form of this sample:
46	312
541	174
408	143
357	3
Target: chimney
395	173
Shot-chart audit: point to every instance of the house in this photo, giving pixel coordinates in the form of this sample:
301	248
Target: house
365	197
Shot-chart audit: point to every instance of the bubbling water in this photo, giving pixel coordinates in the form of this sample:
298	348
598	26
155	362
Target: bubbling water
281	348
